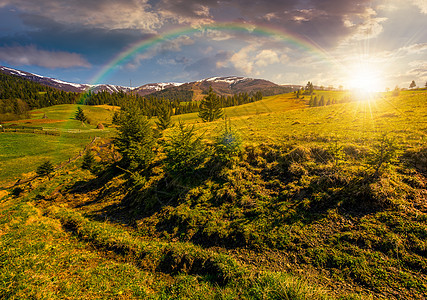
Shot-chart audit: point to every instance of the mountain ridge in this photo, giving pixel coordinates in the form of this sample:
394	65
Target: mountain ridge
187	91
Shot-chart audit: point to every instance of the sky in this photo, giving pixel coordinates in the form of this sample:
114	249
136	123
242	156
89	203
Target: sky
134	42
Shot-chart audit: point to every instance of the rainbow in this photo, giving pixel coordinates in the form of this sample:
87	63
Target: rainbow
280	34
269	31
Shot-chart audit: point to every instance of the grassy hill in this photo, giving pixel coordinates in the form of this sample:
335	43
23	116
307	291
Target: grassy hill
319	203
59	137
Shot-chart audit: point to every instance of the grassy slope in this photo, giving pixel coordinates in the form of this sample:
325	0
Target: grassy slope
279	221
23	152
52	252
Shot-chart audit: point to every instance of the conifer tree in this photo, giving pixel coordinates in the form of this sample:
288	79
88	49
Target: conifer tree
210	107
45	169
164	117
184	151
135	139
88	161
315	102
80	116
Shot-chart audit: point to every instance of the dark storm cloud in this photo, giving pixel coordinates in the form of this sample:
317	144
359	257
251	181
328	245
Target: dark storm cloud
326	22
97	44
207	66
30	55
111	14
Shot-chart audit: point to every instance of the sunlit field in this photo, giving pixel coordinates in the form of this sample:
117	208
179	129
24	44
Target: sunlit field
58	138
280	118
305	211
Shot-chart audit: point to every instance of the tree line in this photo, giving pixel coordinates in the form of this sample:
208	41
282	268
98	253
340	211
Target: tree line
18	96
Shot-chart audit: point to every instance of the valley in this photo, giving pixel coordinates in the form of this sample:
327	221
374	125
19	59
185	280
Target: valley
305	203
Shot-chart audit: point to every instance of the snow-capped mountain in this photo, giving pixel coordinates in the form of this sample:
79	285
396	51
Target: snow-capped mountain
195	90
63	85
150	88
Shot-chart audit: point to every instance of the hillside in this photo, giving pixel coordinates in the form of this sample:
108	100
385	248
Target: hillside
189	91
224	86
63	85
304	203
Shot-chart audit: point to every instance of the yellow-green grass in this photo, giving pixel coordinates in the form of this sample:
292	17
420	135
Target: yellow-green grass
269	104
39	260
36	250
66	113
22	151
403	117
57	253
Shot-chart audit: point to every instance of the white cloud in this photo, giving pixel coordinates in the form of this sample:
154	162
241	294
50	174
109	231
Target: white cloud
250	57
241	60
415	48
266	57
422	5
365	25
30	55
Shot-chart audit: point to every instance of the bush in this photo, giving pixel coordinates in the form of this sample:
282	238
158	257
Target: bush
384	153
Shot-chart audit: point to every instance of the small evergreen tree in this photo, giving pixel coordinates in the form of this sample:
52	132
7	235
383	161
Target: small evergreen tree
88	161
184	152
337	152
227	145
210	107
309	88
413	84
135	139
45	169
385	152
80	116
315	101
164	117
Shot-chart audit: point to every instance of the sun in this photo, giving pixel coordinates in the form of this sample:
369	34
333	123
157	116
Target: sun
365	79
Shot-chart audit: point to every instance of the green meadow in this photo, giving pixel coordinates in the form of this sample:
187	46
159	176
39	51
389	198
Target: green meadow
317	203
58	138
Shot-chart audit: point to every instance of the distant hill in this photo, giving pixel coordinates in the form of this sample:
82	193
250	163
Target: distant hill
225	86
189	91
63	85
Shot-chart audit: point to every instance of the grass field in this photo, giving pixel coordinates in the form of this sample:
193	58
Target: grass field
311	208
22	152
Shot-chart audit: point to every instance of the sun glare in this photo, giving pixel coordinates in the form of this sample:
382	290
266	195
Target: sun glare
364	79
